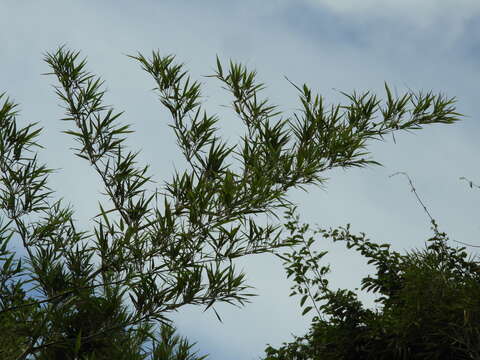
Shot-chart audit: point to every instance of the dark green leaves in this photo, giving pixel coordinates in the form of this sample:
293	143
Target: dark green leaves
428	301
161	248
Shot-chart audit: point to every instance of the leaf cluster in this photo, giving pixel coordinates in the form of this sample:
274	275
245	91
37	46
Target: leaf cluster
82	294
427	301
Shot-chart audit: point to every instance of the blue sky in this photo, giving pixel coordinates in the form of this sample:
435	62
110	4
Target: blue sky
331	45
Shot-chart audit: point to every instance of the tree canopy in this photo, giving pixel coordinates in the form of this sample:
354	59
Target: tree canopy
428	300
107	291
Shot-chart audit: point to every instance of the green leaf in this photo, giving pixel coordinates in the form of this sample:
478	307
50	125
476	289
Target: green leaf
306	310
78	342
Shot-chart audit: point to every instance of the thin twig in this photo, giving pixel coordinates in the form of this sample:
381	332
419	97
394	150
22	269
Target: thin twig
414	191
425	208
470	182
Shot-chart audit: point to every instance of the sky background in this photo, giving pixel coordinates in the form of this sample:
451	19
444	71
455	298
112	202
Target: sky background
329	44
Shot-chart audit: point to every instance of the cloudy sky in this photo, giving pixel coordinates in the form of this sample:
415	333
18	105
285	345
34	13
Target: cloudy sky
329	44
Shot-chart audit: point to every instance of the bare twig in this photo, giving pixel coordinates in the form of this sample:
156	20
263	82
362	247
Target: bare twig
412	187
470	182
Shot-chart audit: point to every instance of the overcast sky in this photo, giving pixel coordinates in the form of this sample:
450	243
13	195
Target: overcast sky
329	44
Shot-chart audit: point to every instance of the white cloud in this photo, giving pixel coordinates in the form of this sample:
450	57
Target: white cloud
422	13
264	39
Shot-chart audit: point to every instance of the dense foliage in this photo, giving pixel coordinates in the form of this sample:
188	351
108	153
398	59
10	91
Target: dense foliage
428	303
107	292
